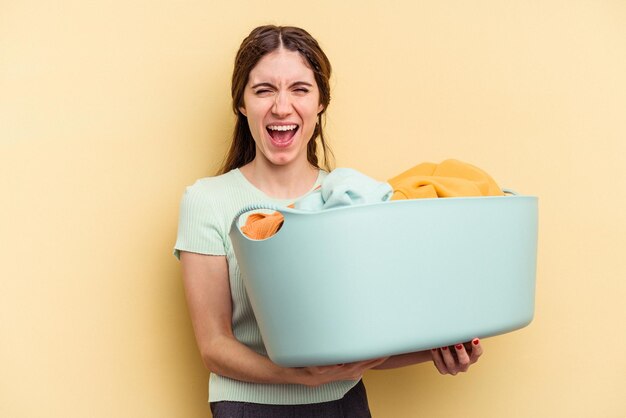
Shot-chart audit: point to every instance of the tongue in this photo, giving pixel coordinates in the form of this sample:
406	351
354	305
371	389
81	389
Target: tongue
281	136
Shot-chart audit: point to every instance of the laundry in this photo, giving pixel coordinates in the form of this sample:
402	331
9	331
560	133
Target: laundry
345	187
348	187
450	178
341	187
262	225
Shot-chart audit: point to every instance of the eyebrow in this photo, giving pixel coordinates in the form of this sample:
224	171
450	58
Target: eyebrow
297	83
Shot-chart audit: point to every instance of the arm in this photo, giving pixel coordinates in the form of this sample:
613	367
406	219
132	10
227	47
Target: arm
447	360
208	296
402	360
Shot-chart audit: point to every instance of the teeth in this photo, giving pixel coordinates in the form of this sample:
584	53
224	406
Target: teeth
282	127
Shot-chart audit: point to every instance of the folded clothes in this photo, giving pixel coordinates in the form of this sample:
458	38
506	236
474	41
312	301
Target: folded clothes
347	187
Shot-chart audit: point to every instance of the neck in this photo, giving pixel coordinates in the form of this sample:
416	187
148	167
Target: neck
280	182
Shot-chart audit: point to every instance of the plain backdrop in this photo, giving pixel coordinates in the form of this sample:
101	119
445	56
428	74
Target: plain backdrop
108	109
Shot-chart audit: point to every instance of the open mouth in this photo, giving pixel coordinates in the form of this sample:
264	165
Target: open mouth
282	135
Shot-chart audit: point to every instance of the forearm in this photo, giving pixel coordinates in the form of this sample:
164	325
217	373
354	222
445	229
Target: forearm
228	357
232	359
402	360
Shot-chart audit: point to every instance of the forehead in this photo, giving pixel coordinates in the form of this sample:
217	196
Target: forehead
281	67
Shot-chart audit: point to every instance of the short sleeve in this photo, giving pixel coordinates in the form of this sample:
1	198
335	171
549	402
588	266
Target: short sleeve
198	225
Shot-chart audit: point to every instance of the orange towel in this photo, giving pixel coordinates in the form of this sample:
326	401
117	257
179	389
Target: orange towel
451	178
263	225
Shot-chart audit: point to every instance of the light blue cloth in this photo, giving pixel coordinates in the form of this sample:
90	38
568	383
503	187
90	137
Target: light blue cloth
345	187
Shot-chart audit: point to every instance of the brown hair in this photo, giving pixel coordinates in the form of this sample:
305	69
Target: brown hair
262	41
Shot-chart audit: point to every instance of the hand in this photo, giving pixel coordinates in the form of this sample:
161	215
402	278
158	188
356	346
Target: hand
318	375
458	358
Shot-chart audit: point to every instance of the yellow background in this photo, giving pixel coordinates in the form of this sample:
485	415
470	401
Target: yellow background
108	109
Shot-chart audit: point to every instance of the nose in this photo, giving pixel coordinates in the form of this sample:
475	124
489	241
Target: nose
282	105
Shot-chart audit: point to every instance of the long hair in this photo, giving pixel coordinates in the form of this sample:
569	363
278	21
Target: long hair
261	41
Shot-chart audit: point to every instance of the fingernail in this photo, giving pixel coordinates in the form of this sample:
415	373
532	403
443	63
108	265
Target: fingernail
458	346
433	349
476	341
444	348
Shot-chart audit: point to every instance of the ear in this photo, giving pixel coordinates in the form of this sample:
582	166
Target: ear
320	108
242	109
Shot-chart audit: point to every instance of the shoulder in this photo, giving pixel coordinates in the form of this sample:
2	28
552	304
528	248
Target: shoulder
212	188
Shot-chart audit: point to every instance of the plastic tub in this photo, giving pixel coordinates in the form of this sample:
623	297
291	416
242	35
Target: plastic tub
367	281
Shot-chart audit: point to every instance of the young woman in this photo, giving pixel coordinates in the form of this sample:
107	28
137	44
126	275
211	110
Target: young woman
280	91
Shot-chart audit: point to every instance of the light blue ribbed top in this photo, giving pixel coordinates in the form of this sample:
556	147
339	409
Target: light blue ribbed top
206	213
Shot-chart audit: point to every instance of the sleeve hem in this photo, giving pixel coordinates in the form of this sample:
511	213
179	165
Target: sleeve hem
177	252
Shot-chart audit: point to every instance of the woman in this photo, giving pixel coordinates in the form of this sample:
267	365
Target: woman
280	91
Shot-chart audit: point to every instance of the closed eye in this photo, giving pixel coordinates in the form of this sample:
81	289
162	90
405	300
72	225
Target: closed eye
301	87
262	92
